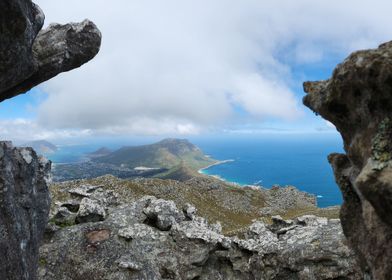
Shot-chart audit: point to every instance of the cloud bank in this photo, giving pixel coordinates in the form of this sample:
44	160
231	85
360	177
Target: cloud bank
178	66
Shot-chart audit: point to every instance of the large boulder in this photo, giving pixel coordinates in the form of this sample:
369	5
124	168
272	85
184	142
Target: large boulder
358	101
29	56
24	207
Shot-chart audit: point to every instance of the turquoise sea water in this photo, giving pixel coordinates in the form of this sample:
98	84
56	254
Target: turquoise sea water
298	160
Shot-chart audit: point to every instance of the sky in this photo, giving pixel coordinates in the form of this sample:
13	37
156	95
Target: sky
196	67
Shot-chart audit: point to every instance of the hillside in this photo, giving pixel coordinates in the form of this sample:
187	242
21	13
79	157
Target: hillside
233	206
167	153
99	153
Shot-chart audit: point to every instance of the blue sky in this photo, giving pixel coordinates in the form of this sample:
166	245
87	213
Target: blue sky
189	68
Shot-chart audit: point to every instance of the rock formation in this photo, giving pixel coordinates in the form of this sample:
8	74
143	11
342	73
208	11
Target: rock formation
24	208
28	57
358	101
151	238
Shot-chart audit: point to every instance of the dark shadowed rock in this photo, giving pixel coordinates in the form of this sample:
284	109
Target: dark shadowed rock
358	101
24	207
29	56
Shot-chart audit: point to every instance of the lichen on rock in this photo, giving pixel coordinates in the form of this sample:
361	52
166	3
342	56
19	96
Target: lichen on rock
127	244
357	100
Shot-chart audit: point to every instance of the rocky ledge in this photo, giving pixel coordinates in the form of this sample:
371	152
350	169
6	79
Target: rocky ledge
94	235
358	101
30	56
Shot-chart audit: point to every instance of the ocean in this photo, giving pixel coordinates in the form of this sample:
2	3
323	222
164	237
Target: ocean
297	160
285	159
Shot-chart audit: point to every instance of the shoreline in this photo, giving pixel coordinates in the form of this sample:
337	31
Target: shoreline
200	171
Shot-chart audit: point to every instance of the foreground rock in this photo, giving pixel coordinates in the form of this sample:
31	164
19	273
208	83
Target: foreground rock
24	208
358	101
151	238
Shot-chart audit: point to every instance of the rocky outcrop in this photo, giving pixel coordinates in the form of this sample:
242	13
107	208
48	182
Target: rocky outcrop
151	238
232	205
29	56
358	101
24	208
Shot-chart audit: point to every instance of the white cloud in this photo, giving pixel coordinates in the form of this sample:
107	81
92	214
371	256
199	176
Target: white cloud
22	130
178	66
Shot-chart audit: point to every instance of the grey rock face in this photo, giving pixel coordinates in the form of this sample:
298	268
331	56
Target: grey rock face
163	213
357	100
126	245
29	56
90	211
24	207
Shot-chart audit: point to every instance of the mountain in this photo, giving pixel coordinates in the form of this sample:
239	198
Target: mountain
167	153
180	172
42	146
100	152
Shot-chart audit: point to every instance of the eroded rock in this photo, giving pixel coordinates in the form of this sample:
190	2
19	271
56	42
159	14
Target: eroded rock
129	248
357	100
24	208
90	210
29	56
162	213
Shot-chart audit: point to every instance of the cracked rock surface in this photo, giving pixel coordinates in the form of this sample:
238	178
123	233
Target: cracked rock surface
24	208
357	99
152	238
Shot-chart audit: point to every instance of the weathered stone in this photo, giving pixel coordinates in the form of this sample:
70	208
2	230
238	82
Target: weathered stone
71	205
163	214
64	217
189	211
90	211
24	208
83	191
357	100
29	56
138	231
314	249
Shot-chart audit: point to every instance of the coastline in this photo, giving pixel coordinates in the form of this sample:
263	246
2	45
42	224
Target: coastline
200	171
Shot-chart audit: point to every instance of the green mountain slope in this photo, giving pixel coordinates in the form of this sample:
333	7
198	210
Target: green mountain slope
168	153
